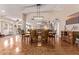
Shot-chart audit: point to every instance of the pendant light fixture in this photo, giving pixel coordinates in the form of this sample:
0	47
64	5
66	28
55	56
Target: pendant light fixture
38	10
38	17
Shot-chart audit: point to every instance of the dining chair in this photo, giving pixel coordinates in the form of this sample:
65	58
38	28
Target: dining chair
51	38
33	36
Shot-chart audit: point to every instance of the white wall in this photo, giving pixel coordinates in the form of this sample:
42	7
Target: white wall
72	27
7	26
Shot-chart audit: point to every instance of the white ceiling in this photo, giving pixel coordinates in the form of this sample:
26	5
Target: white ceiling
12	10
15	11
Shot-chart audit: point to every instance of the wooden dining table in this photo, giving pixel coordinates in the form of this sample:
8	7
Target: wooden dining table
41	37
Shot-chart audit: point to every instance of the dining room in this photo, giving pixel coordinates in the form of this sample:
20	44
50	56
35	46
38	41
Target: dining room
39	29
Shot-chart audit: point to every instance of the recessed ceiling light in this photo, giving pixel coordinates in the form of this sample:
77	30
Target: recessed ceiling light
3	11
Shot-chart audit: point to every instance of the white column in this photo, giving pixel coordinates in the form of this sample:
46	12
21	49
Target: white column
57	34
0	26
24	21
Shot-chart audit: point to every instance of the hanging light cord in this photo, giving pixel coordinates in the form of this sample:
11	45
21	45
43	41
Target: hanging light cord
38	10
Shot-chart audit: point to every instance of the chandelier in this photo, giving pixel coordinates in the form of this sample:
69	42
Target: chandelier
38	17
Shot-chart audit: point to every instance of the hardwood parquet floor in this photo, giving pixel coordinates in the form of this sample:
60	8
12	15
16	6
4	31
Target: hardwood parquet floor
11	45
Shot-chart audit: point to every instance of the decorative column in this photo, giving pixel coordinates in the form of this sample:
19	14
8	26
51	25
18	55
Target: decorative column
24	21
24	29
57	40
